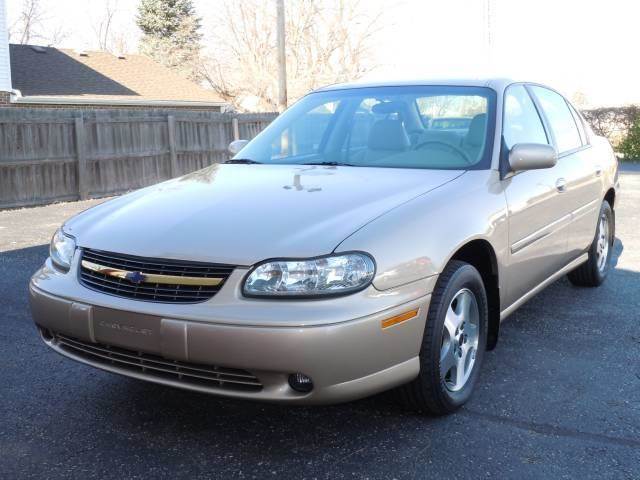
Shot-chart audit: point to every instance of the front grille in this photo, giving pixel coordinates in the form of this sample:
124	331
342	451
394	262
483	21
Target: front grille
159	367
148	291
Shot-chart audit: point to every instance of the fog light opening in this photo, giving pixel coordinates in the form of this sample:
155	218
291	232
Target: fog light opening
47	334
300	382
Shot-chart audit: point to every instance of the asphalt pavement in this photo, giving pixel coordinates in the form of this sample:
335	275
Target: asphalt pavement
558	398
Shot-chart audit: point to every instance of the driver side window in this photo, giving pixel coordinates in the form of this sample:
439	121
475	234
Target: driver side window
521	122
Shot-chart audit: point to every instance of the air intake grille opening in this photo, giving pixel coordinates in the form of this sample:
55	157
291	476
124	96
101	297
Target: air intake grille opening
151	279
159	367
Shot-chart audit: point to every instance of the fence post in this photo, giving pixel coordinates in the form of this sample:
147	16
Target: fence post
236	128
81	154
173	167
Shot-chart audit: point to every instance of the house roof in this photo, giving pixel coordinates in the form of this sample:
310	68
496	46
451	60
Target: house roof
50	75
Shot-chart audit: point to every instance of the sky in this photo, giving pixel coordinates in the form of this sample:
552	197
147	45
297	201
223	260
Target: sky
584	46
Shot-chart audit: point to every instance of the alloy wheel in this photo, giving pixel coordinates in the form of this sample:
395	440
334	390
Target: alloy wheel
603	241
460	337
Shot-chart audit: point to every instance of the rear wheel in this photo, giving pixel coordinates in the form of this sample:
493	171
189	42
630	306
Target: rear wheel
453	344
593	272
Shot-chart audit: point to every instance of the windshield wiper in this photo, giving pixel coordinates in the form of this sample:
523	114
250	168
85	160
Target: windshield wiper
330	164
242	161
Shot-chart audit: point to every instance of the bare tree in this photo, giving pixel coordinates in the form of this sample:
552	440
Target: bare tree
110	33
612	122
29	27
580	100
102	26
26	28
327	41
57	35
120	42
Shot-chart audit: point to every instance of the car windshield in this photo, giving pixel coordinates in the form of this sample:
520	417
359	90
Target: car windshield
429	127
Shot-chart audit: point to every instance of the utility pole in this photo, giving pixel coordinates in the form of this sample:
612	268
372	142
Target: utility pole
489	32
282	59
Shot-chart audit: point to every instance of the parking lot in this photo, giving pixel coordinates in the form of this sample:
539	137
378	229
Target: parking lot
559	397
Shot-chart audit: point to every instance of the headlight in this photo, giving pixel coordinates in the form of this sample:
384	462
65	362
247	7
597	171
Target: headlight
61	250
331	275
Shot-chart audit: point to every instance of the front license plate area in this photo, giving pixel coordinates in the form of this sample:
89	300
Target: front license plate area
134	331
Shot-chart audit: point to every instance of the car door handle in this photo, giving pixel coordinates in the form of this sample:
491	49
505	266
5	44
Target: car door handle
561	185
598	170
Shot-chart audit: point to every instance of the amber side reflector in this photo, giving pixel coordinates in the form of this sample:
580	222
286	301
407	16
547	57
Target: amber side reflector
403	317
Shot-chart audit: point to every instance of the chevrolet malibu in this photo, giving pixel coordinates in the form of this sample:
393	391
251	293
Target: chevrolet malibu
373	236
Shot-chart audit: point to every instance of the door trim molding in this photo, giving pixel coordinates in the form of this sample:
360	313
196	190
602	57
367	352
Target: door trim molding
584	209
541	233
553	226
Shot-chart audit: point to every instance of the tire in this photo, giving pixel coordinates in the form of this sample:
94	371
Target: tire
442	393
594	271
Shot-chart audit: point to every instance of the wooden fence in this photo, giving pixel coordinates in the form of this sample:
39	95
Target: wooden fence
57	155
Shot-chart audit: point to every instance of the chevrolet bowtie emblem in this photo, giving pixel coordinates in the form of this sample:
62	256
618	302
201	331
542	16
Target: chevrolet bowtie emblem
135	277
162	279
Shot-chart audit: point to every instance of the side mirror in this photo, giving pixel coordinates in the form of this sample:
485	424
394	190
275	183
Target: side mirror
237	145
532	156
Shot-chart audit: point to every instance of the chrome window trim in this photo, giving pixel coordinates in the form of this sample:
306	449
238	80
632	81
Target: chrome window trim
564	153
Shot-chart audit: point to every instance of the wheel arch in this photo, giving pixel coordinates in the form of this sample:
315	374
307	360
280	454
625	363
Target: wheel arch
610	197
480	253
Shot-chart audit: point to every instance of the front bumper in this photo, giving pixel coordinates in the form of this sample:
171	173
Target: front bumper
346	360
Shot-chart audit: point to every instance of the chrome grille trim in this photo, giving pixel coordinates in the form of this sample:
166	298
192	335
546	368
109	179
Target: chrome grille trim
154	268
159	367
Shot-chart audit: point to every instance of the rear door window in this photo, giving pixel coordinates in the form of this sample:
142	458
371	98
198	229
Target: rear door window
560	118
580	125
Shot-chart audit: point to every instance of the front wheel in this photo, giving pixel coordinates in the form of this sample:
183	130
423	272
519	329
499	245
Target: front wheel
453	344
593	272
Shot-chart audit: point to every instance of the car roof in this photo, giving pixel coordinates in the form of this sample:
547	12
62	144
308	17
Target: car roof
496	83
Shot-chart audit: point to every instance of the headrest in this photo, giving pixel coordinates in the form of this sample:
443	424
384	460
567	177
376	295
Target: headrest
439	136
388	135
477	131
383	108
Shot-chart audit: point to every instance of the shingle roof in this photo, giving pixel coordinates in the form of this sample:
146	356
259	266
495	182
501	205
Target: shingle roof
51	72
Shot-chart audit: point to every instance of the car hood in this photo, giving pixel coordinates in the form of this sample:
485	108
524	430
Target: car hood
242	214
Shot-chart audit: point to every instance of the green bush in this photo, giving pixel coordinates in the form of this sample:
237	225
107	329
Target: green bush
630	146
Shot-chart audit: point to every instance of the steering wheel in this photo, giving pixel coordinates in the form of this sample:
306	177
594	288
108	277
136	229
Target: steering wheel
449	146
